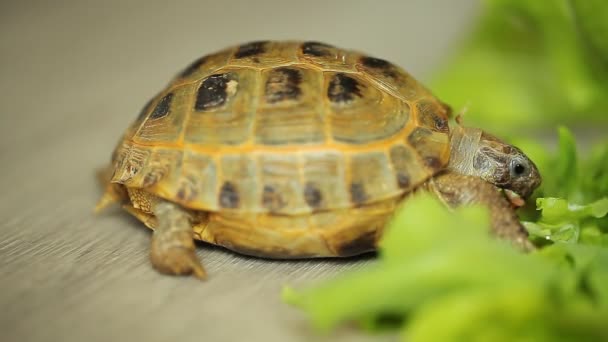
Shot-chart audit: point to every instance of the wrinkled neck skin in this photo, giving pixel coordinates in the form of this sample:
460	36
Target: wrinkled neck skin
464	144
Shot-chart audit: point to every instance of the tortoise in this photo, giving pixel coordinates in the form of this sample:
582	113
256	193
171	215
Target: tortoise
292	149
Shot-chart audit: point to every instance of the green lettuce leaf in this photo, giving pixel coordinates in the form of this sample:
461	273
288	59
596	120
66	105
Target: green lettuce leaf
562	221
557	210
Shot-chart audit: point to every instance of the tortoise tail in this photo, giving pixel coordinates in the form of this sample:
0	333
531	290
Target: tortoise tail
113	193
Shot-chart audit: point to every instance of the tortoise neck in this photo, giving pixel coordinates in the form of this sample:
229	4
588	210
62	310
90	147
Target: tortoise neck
464	144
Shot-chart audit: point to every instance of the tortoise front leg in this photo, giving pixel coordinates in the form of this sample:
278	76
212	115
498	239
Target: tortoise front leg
173	249
457	190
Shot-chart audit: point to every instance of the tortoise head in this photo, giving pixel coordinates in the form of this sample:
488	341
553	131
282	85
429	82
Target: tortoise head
477	153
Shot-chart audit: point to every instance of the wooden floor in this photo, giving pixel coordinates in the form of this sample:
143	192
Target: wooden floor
73	75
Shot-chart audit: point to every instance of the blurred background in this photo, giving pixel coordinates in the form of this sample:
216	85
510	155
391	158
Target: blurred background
74	73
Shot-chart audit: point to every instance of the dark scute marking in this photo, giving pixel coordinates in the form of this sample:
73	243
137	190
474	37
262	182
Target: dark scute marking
357	193
403	180
212	92
363	243
386	67
283	84
432	162
375	63
229	197
193	67
145	109
132	170
441	123
272	199
316	49
433	116
343	88
163	107
251	49
152	178
312	195
186	193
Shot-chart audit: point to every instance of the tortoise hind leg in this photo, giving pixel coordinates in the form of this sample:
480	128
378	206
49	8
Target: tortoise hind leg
172	250
456	190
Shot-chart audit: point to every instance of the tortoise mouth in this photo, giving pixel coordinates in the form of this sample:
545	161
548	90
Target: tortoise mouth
516	199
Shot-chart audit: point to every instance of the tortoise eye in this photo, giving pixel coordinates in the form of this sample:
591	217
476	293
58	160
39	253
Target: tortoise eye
518	169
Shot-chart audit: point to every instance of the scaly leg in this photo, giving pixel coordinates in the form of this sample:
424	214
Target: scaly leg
173	249
457	190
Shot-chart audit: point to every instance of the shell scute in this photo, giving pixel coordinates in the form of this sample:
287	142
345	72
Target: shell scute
290	109
204	66
223	111
327	57
433	115
165	121
407	167
281	183
317	49
198	181
433	147
370	114
264	54
392	78
323	174
239	179
371	178
131	166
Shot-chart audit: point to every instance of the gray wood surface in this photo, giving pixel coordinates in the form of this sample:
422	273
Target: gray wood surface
73	75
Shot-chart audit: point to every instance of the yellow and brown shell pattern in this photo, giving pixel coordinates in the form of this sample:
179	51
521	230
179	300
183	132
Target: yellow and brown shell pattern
287	128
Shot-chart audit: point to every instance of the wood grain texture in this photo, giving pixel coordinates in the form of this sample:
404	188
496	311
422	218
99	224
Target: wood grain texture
74	75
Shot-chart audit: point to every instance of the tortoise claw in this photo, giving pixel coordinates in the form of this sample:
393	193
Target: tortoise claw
176	260
172	250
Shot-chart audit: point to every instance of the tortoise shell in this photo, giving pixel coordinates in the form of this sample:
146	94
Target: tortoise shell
285	128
